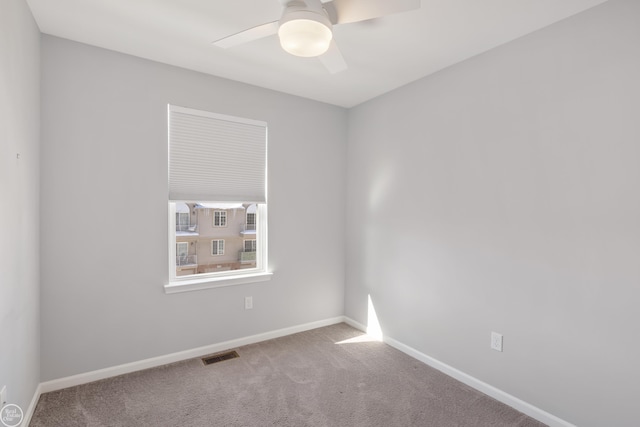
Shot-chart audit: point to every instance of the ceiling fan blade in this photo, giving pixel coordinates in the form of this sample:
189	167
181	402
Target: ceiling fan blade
347	11
332	59
249	35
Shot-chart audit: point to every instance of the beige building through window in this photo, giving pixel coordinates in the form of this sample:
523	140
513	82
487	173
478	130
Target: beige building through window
212	237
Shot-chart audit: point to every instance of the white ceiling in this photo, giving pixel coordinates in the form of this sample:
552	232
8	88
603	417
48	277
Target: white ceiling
382	54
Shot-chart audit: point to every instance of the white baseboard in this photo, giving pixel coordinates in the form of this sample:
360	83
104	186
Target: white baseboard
349	321
153	362
100	374
499	395
32	406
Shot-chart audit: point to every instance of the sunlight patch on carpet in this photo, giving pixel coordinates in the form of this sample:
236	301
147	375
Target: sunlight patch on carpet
359	339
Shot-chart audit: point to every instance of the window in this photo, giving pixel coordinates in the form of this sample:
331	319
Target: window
217	247
250	245
182	249
219	219
251	221
182	217
182	220
217	198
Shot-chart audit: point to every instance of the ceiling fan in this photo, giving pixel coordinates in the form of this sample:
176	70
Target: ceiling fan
305	28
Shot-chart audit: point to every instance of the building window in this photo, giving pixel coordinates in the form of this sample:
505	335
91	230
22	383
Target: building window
219	219
182	250
211	215
251	221
250	245
217	247
182	220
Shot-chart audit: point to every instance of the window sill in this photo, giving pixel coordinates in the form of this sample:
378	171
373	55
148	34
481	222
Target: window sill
215	282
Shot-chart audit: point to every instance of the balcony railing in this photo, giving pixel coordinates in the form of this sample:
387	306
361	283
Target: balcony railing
247	256
186	260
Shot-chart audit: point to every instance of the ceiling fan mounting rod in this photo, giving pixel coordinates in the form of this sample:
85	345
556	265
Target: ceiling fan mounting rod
309	9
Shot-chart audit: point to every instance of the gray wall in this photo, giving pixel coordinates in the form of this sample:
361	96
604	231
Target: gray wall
104	211
19	195
501	194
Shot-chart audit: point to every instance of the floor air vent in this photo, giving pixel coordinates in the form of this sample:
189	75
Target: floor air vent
215	358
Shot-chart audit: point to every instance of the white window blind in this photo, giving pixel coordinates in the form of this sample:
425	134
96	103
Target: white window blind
216	157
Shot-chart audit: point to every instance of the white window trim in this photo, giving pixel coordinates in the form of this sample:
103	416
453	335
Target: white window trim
178	194
218	282
179	284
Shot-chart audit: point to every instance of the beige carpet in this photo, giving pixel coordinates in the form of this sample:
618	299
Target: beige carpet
306	379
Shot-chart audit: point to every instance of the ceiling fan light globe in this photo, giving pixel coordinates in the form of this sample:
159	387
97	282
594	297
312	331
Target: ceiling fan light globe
305	37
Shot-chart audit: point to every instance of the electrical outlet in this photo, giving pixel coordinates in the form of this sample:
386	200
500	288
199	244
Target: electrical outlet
248	303
3	396
496	341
